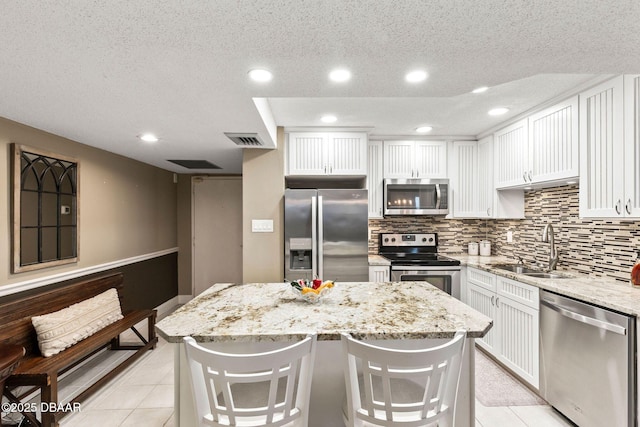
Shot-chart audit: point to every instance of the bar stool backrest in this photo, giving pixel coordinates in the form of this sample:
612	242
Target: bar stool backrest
258	389
394	387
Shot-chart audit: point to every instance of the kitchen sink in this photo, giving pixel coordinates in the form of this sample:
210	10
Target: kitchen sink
515	268
521	269
543	275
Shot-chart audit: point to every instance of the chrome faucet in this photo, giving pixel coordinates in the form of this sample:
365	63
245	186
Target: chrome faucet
547	236
520	259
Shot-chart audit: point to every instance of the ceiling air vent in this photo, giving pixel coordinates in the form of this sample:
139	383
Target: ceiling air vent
245	139
195	164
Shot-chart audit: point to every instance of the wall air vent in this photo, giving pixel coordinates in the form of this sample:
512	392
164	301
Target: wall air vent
245	139
195	164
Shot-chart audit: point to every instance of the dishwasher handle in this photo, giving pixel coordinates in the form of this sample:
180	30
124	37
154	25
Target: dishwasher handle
617	329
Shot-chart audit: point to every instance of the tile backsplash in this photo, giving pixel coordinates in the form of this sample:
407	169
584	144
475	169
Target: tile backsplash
453	234
601	248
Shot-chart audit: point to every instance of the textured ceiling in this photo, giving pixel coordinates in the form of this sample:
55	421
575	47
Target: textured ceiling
101	73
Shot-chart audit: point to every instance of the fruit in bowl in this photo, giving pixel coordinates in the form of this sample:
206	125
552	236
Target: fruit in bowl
311	290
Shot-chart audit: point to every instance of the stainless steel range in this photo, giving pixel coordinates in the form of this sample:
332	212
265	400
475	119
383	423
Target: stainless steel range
414	257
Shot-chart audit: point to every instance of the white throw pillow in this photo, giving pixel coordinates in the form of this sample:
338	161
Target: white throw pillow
61	329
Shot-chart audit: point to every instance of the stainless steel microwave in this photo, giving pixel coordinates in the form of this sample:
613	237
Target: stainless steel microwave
416	197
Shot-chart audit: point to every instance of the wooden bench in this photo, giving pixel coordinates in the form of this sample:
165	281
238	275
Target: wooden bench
42	373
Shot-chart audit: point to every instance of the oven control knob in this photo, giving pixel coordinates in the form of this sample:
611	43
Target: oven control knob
386	239
424	239
393	239
431	239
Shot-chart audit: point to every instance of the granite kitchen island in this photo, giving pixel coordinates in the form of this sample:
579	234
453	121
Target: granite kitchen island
259	316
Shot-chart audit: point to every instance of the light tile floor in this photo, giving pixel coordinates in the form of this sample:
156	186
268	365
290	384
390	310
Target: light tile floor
140	396
519	416
143	396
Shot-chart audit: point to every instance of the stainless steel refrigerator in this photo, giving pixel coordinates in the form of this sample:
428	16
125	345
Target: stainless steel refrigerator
326	235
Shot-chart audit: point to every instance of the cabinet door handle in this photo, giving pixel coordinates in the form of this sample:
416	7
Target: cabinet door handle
488	211
627	207
498	302
325	169
524	176
618	203
493	300
530	176
417	173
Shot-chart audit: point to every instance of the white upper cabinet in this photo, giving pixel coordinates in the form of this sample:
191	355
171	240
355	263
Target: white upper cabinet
463	175
486	185
431	159
541	149
511	151
374	178
473	191
603	141
632	146
415	159
306	153
553	143
327	153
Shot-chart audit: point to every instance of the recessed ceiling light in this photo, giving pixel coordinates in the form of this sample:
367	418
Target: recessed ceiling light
424	129
260	75
498	111
340	75
480	89
328	118
416	76
148	137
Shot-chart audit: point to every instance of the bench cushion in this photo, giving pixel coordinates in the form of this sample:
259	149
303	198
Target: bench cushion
61	329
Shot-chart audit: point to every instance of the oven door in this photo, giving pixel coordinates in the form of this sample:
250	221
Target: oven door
444	278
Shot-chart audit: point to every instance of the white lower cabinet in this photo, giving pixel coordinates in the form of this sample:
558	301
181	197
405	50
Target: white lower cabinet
481	295
514	308
518	316
379	273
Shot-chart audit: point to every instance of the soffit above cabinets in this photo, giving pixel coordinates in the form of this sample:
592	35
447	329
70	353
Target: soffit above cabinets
179	70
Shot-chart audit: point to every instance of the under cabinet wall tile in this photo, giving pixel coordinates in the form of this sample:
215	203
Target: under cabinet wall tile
600	248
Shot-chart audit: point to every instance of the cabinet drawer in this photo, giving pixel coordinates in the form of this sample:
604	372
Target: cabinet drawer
520	292
481	278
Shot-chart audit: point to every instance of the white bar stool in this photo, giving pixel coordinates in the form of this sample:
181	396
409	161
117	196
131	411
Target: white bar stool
393	387
257	389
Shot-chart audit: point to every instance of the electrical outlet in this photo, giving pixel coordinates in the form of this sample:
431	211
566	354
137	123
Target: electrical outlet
509	236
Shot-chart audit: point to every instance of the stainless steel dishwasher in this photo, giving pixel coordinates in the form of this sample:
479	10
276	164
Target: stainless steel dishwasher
587	362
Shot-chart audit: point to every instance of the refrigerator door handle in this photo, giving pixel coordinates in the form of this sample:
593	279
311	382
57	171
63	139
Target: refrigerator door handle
314	237
318	243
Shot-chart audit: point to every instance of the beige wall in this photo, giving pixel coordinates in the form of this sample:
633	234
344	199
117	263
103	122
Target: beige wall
127	208
262	192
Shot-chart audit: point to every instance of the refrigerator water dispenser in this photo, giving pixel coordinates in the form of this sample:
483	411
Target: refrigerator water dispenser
300	253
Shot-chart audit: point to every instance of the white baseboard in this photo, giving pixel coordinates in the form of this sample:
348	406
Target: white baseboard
167	307
183	299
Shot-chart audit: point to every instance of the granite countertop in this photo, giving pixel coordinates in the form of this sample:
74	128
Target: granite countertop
608	293
368	310
378	260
